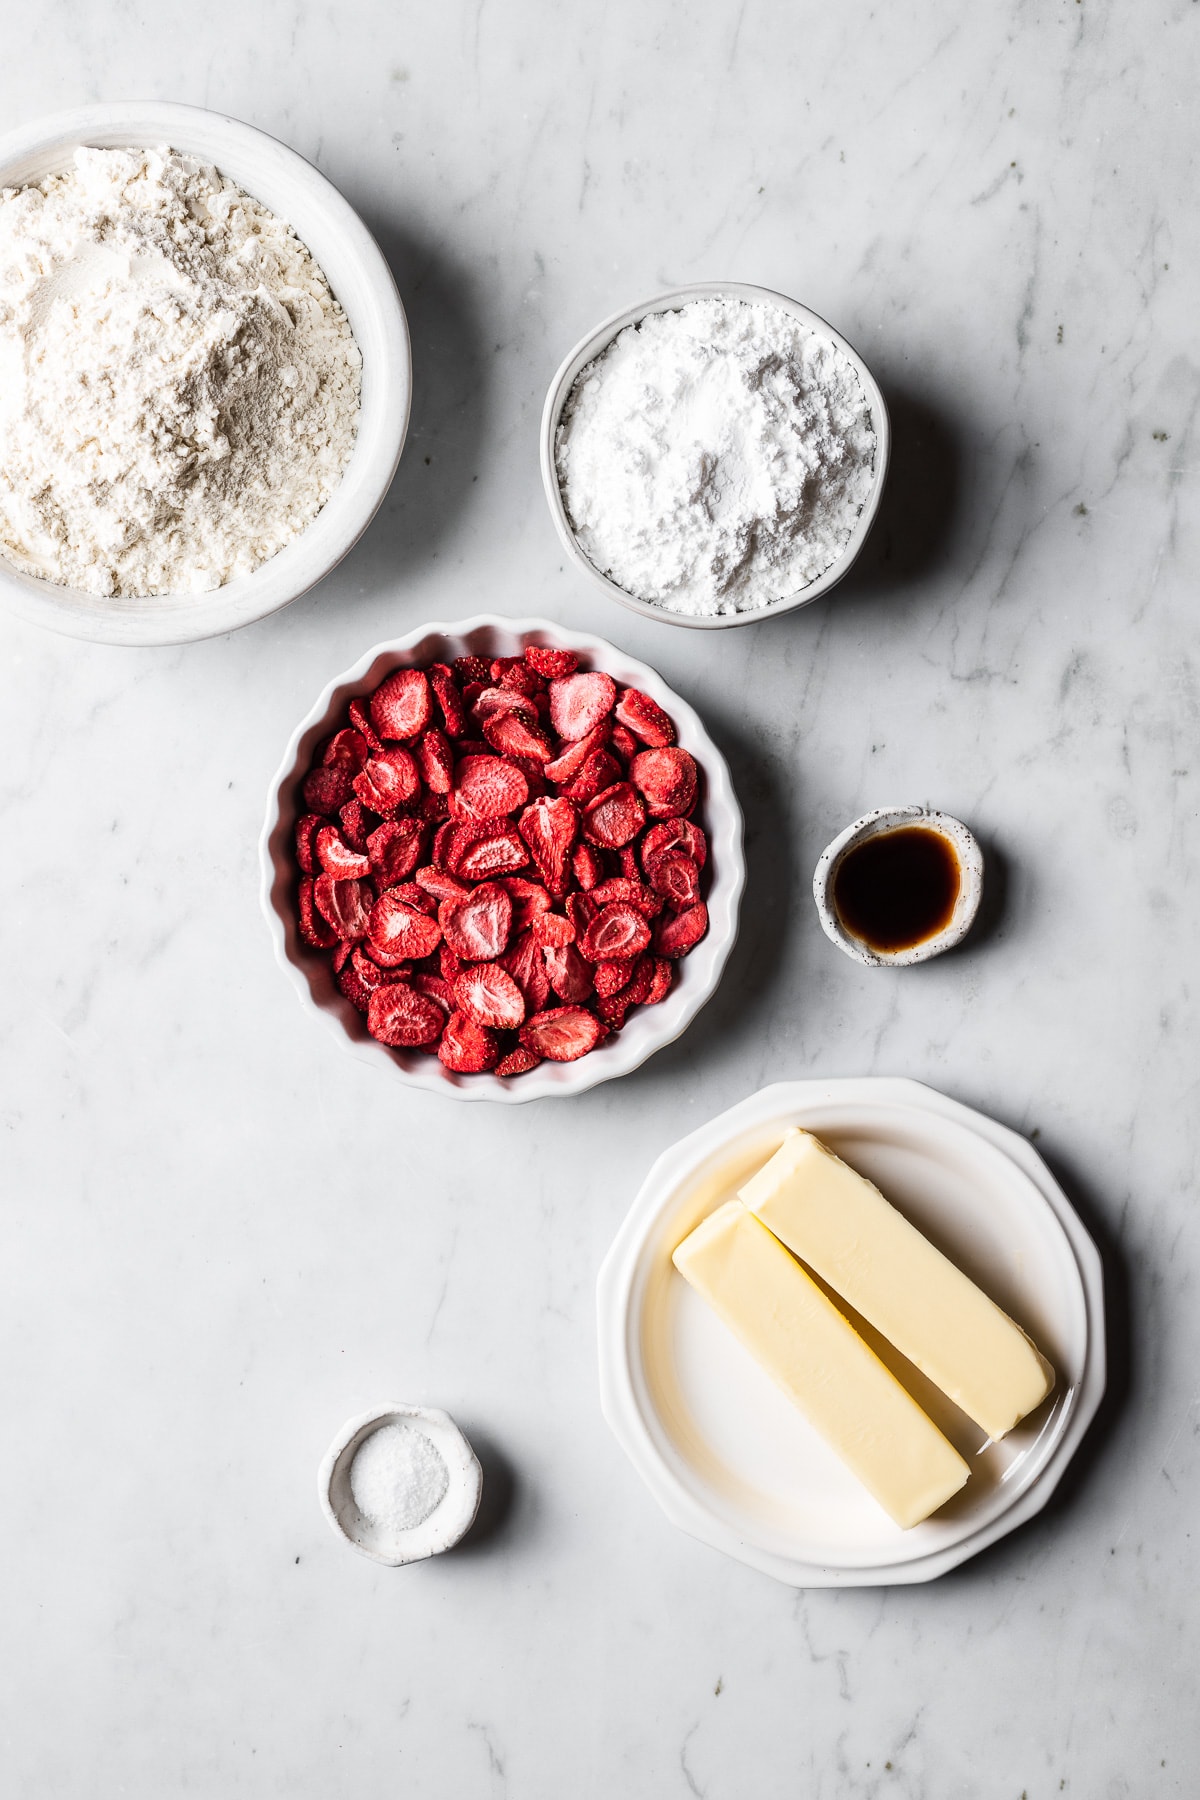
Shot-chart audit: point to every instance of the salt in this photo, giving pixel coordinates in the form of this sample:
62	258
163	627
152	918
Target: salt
398	1477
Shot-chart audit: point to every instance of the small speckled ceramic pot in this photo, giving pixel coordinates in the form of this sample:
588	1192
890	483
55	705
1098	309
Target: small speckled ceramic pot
876	824
450	1519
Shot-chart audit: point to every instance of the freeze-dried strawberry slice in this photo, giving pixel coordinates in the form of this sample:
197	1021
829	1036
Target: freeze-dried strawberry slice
478	927
526	963
472	668
586	865
517	1062
627	862
346	750
401	930
449	963
673	834
353	987
599	772
399	1016
435	759
534	773
307	827
677	878
568	763
530	900
356	825
313	928
368	971
326	789
489	995
360	718
512	672
612	1009
489	787
563	1034
667	780
618	930
553	930
623	744
551	663
549	828
401	705
499	702
579	702
570	976
662	975
616	816
398	963
675	933
581	909
487	853
634	893
395	850
341	954
389	780
346	905
611	977
512	736
442	886
645	718
641	979
415	896
437	989
443	841
450	703
336	857
468	1048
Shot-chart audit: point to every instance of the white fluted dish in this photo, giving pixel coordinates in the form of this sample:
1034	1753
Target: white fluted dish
648	1028
360	279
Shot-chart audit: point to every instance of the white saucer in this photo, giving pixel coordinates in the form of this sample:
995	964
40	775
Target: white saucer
727	1456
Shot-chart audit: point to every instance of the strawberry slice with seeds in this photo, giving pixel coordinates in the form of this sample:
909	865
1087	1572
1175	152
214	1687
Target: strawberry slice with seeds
525	961
676	933
549	828
617	930
449	963
676	877
667	781
395	849
553	664
401	706
346	750
508	733
325	789
356	825
400	930
633	893
641	980
416	897
313	928
489	995
599	772
567	764
499	702
449	700
399	1016
489	787
553	930
354	989
368	971
346	905
400	964
488	853
563	1034
673	834
472	668
645	718
520	677
468	1048
361	721
623	744
393	777
437	989
579	702
307	827
581	909
611	977
517	1062
336	857
530	900
586	865
435	881
478	927
435	759
570	976
341	954
616	816
662	975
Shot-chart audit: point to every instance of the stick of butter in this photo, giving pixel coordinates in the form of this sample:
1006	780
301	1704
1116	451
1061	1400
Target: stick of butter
844	1229
821	1363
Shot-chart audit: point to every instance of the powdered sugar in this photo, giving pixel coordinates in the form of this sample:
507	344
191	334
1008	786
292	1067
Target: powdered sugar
398	1477
716	457
178	386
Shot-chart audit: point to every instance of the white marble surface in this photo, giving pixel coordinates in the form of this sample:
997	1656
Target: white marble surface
221	1236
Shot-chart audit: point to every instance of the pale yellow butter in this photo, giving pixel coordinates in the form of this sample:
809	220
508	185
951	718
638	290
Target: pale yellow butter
842	1227
822	1364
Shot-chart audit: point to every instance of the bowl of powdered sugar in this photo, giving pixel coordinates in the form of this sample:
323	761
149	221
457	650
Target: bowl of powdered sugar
204	374
714	456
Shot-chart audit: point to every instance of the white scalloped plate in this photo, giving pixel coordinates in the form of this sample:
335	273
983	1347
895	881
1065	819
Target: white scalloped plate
727	1456
650	1027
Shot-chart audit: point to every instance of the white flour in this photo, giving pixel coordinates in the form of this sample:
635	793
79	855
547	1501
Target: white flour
178	386
716	457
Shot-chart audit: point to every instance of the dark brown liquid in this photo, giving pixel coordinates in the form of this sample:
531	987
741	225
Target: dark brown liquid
897	889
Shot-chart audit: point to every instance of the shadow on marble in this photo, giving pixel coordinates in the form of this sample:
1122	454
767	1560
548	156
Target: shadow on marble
494	1520
990	920
912	534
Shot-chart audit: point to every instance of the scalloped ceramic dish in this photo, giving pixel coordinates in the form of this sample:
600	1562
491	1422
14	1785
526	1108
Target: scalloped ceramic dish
726	1454
650	1027
355	268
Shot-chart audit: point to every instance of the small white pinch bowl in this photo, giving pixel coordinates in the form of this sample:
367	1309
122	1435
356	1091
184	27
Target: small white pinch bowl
451	1518
360	279
591	346
649	1028
877	824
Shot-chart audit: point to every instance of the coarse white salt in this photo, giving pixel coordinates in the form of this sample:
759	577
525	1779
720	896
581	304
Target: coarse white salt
398	1477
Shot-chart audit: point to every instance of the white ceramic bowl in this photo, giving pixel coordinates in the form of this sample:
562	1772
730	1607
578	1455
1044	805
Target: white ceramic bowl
649	1028
361	281
878	824
723	1450
452	1517
591	346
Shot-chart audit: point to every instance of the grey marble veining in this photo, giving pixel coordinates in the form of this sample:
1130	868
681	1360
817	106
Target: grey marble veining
222	1236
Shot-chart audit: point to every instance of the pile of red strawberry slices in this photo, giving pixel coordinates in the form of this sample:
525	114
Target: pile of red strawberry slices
501	859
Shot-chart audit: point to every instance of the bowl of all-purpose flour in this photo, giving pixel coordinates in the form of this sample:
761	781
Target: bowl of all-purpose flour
715	455
204	374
